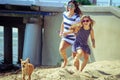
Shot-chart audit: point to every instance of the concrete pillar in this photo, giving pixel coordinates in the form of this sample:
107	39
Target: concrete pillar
21	31
8	45
32	42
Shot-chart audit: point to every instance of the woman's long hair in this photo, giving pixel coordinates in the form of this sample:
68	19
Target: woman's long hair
77	9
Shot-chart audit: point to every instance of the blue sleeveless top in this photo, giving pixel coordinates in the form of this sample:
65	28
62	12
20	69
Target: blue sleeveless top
82	40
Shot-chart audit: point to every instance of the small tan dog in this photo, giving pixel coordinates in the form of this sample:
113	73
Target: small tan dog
27	68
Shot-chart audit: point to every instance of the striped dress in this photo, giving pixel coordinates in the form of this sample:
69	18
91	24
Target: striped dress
70	38
81	41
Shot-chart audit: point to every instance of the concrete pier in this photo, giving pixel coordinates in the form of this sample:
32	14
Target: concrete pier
32	43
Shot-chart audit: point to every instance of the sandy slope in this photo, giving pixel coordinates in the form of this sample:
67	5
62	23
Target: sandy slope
103	70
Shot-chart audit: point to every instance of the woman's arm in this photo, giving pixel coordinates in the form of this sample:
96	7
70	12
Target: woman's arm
76	27
73	29
66	33
92	38
61	29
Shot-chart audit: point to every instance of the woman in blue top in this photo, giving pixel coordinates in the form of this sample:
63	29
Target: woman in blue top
82	29
71	16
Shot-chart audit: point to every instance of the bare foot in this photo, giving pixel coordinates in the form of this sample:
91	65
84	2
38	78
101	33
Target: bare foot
63	64
77	73
76	64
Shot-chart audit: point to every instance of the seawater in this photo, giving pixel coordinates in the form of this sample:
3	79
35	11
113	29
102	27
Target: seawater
15	46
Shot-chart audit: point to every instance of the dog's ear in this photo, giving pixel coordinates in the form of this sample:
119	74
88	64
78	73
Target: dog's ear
28	60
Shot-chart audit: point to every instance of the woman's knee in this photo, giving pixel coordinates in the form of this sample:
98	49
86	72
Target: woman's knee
74	54
61	49
79	54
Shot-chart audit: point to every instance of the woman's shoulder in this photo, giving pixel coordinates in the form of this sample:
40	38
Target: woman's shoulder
65	12
77	17
77	14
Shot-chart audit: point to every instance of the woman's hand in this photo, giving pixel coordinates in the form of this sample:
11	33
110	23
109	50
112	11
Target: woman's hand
60	34
65	34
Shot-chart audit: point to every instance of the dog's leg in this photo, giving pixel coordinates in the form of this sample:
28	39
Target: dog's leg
23	77
29	77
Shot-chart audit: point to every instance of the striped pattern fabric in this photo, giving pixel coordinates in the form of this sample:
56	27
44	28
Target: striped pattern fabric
68	21
82	41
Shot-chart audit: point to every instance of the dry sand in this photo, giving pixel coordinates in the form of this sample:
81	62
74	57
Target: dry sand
103	70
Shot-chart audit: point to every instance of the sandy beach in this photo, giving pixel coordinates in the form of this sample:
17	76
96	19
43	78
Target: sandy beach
102	70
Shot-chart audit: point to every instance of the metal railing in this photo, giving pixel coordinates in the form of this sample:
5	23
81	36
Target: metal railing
108	4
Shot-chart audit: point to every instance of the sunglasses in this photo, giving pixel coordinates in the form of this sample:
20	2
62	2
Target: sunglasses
71	6
85	20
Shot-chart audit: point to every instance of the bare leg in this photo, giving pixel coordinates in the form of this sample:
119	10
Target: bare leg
62	49
77	57
77	61
86	57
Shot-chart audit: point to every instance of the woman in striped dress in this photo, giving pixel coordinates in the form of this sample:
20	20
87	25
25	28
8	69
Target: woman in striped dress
71	16
83	30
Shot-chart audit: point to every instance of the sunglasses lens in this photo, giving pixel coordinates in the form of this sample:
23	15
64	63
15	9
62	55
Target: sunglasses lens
85	21
71	6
